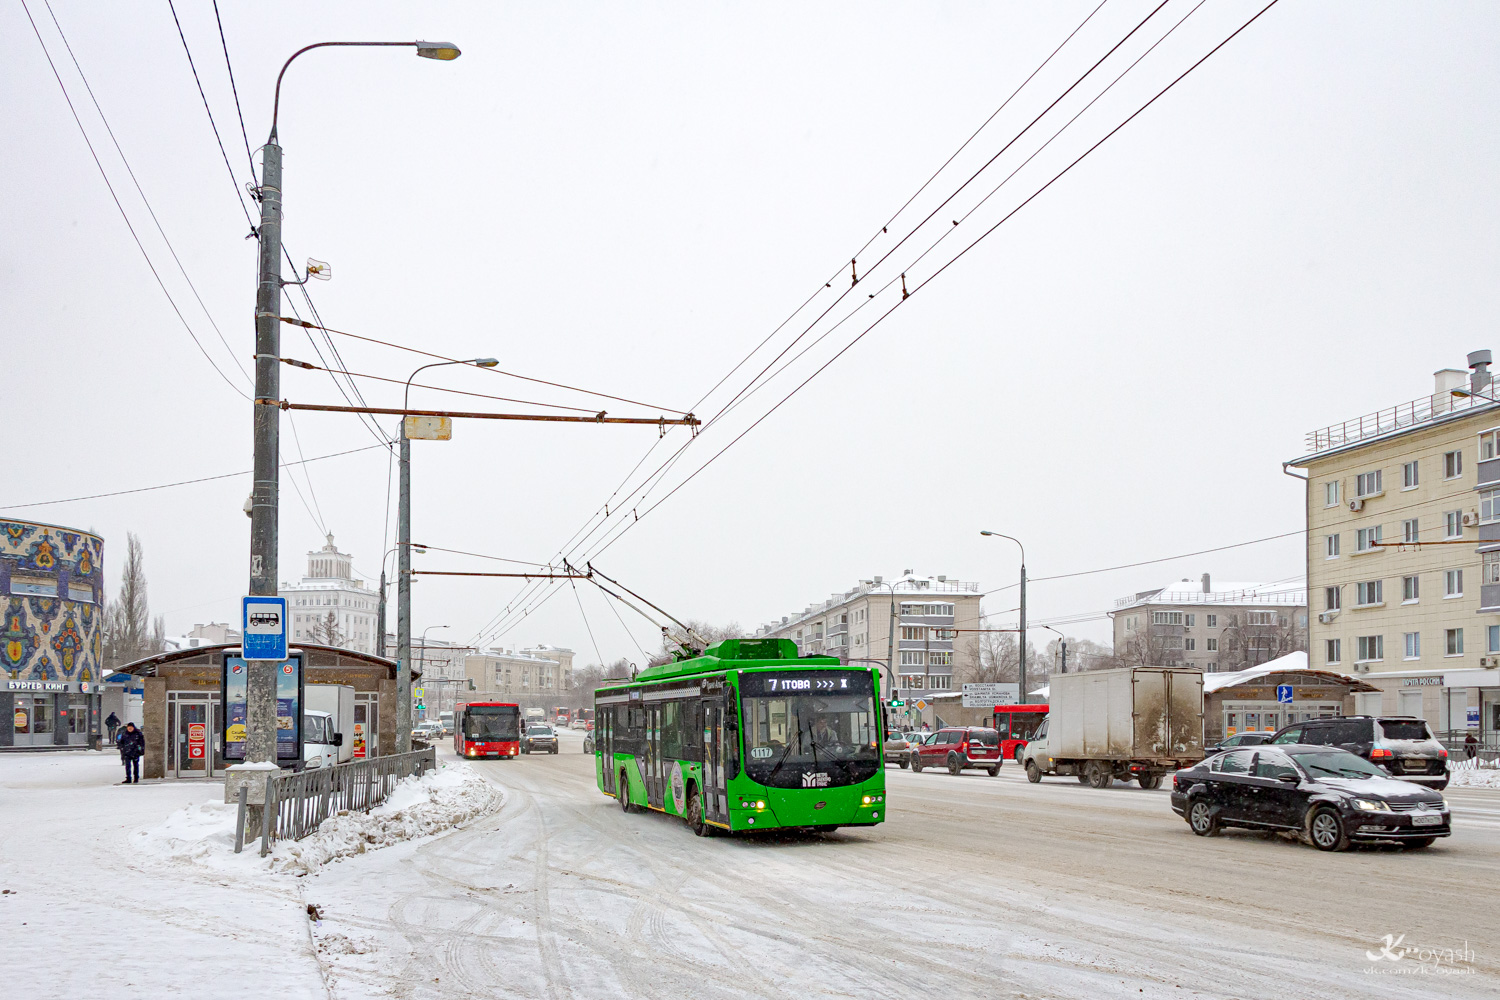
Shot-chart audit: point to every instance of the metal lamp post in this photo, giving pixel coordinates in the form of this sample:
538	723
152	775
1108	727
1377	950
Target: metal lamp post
380	645
1021	693
260	699
423	659
403	566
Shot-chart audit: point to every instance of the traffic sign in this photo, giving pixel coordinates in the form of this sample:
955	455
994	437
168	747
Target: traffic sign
263	620
989	695
1284	694
921	704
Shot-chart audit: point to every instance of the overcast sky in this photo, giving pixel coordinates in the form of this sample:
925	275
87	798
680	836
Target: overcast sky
630	198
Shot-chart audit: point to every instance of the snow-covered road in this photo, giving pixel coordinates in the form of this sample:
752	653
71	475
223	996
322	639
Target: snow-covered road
978	886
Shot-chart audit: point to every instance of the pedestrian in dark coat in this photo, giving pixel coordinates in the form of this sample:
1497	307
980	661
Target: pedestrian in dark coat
1471	747
113	722
132	749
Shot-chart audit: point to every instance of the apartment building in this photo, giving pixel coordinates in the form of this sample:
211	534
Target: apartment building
521	673
330	588
1403	560
857	625
1213	627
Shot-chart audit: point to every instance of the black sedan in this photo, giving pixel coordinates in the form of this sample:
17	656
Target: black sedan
1329	796
1250	739
539	739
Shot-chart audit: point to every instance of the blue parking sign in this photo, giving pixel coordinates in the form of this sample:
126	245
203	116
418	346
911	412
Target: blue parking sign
263	620
1284	694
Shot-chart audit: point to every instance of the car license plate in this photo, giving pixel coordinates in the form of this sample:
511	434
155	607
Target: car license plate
1427	819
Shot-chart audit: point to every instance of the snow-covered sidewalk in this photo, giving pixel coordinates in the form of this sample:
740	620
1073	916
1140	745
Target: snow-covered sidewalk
149	870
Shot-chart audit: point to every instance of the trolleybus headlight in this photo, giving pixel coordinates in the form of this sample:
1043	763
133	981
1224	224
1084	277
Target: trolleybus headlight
868	800
760	805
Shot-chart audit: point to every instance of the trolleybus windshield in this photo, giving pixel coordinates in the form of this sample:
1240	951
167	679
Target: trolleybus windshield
492	724
809	729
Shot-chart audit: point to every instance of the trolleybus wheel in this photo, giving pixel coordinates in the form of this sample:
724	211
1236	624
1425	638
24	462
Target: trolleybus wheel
695	812
624	792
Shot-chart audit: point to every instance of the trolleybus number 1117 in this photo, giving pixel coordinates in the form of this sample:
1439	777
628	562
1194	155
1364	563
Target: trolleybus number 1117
805	684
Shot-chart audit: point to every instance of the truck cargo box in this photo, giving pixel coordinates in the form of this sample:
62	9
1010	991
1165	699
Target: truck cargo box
1135	713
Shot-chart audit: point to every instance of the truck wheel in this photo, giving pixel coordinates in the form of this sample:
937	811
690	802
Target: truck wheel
955	766
1150	780
1100	774
1202	818
1033	773
1083	777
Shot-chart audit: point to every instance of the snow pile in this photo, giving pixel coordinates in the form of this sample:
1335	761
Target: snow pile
438	800
193	831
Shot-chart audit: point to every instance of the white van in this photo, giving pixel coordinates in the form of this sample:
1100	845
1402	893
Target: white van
321	745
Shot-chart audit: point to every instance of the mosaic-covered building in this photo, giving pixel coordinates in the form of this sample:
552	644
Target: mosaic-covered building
51	634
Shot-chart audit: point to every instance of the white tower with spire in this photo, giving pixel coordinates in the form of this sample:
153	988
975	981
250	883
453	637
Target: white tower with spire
330	588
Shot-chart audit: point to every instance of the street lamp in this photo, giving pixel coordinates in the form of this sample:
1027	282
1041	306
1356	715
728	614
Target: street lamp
420	550
1021	693
403	565
260	699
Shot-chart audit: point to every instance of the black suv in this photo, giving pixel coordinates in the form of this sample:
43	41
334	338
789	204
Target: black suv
1402	745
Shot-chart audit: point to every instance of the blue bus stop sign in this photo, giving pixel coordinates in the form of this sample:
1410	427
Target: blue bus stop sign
1284	694
264	623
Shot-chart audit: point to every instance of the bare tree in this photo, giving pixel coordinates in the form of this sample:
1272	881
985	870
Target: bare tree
128	631
1000	659
327	631
1083	654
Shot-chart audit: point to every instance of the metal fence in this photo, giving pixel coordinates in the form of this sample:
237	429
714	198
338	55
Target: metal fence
1488	749
297	803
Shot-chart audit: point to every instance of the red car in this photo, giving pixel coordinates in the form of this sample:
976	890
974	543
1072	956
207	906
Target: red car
958	747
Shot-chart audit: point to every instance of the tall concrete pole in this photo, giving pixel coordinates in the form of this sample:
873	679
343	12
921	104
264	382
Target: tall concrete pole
260	700
1021	695
403	601
380	617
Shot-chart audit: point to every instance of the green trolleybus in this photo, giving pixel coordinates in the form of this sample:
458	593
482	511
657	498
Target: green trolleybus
746	736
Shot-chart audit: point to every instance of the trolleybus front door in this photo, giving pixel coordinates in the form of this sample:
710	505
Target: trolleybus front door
713	753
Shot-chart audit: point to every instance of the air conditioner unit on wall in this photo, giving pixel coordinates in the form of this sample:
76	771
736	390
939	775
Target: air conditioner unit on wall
1327	617
1471	518
1356	505
1489	661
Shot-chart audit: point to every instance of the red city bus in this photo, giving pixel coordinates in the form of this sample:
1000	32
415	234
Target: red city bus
487	729
560	716
1016	724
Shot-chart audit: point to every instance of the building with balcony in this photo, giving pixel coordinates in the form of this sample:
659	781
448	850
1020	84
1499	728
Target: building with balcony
908	620
1210	626
1403	551
330	589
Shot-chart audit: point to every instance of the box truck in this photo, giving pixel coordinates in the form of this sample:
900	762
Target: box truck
328	725
1137	722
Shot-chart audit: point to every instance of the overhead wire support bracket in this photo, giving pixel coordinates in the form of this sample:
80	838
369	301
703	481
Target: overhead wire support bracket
600	418
518	576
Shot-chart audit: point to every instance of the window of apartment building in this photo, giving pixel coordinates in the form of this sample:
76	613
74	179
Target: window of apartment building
1453	464
917	632
1166	618
1212	666
1190	644
1331	494
1453	583
1332	598
1493	633
1260	618
1489	568
1333	650
1367	484
1369	648
913	658
844	619
1212	645
1365	539
1190	620
1453	524
1411	589
1212	620
1330	546
1489	506
1409	530
1409	476
1368	592
1489	445
1453	641
940	658
1413	645
1171	642
940	682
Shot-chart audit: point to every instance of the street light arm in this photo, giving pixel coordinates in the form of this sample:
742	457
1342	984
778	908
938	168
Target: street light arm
996	534
276	105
